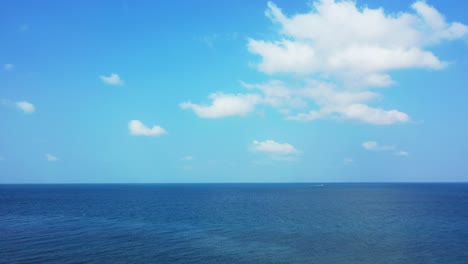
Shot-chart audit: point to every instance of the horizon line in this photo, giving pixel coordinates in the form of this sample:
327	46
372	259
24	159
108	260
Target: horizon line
162	183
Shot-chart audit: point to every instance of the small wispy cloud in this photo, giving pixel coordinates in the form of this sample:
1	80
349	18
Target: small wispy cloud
348	161
210	39
8	67
187	168
26	107
402	153
187	158
112	79
137	128
375	146
51	158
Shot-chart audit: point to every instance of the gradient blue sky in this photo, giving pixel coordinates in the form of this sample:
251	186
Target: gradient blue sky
299	92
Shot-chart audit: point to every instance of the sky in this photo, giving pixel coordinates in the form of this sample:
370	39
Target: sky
233	91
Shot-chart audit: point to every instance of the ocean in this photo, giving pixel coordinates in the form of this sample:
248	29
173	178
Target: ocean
234	223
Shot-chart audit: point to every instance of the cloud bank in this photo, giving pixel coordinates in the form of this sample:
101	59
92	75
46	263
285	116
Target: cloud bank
358	45
337	54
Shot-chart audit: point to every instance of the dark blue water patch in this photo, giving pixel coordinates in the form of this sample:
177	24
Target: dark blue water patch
234	223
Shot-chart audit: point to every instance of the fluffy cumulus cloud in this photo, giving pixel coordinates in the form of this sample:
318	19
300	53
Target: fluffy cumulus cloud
273	147
51	158
365	46
26	107
223	105
113	79
338	53
365	43
137	128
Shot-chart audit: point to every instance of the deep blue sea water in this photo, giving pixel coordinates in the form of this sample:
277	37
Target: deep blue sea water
234	223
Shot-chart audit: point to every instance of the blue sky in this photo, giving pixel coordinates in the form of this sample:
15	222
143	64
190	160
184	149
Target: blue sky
243	91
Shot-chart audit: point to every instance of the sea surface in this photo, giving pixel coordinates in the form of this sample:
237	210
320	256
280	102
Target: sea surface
234	223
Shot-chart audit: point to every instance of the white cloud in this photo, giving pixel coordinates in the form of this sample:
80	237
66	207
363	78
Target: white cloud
8	67
348	161
375	146
277	94
375	116
137	128
223	105
273	147
439	29
364	42
402	153
50	157
347	104
26	107
113	79
310	116
365	45
327	95
336	52
283	56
